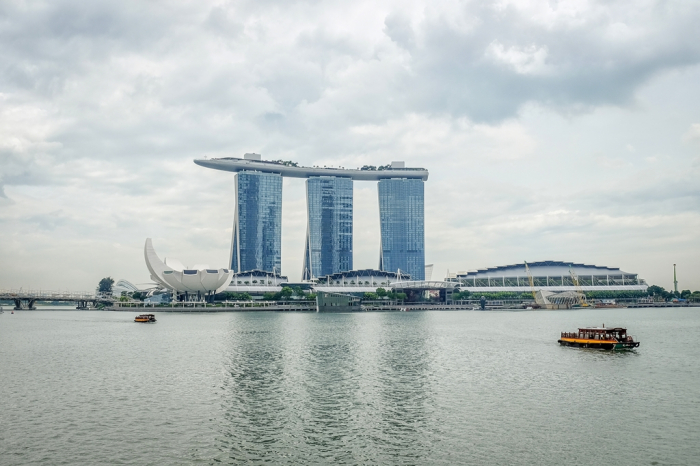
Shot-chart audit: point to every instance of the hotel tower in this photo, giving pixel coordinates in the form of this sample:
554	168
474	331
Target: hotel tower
257	225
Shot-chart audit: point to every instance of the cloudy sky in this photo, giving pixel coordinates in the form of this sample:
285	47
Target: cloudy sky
563	130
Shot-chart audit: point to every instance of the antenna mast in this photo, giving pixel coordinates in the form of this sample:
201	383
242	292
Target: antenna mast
675	281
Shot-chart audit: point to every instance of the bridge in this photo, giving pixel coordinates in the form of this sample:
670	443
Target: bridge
25	299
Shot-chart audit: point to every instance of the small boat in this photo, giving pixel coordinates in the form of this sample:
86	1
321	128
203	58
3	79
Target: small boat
606	304
146	318
607	338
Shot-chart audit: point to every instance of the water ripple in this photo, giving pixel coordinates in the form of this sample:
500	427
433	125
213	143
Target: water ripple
377	388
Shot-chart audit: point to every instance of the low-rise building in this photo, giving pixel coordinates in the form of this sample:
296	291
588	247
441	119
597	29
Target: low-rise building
548	275
358	281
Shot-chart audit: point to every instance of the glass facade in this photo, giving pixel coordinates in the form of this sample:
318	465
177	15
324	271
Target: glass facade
401	216
329	231
257	227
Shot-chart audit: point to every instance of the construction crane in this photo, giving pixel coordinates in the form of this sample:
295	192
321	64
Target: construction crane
581	296
540	300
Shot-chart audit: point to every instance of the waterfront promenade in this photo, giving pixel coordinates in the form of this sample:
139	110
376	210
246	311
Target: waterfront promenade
27	300
226	306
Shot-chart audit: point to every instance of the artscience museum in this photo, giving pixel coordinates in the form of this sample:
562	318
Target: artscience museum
196	283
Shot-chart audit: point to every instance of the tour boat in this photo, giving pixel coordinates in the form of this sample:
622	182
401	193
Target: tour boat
147	318
607	338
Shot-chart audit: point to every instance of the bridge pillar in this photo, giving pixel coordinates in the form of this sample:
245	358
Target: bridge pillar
24	304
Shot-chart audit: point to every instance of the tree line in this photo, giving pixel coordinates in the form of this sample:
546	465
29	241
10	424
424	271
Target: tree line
382	293
662	294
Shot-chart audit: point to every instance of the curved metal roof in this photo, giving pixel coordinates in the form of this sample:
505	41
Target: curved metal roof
548	267
233	164
259	273
351	274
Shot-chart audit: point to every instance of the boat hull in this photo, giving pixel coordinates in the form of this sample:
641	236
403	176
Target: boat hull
608	345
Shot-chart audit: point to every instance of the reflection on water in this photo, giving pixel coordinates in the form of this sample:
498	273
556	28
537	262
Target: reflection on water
404	389
350	388
253	400
367	388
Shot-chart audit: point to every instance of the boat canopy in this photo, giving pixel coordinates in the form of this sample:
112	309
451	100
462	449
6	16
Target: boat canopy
603	330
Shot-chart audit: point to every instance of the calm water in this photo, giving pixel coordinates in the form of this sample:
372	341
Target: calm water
485	388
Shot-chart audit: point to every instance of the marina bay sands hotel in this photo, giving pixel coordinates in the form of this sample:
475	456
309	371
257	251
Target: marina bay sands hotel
257	225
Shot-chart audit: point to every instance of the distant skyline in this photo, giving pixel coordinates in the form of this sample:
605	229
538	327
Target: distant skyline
552	130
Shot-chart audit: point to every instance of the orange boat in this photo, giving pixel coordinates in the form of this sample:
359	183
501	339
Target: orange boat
146	318
607	338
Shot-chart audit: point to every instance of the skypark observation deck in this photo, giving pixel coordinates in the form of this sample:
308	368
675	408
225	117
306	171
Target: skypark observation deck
232	164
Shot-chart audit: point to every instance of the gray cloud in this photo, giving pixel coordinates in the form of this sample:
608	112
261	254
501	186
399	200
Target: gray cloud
505	59
103	106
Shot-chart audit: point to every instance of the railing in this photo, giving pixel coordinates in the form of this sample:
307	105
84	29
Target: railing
46	295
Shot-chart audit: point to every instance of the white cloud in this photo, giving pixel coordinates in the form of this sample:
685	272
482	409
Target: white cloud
524	60
693	133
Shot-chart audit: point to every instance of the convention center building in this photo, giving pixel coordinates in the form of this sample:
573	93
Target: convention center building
548	275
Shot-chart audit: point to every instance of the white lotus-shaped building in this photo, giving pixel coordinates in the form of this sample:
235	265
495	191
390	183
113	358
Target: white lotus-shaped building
200	279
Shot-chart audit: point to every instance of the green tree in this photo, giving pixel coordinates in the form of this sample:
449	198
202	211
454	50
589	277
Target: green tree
401	296
459	295
105	285
231	296
381	292
287	292
138	296
370	296
299	292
